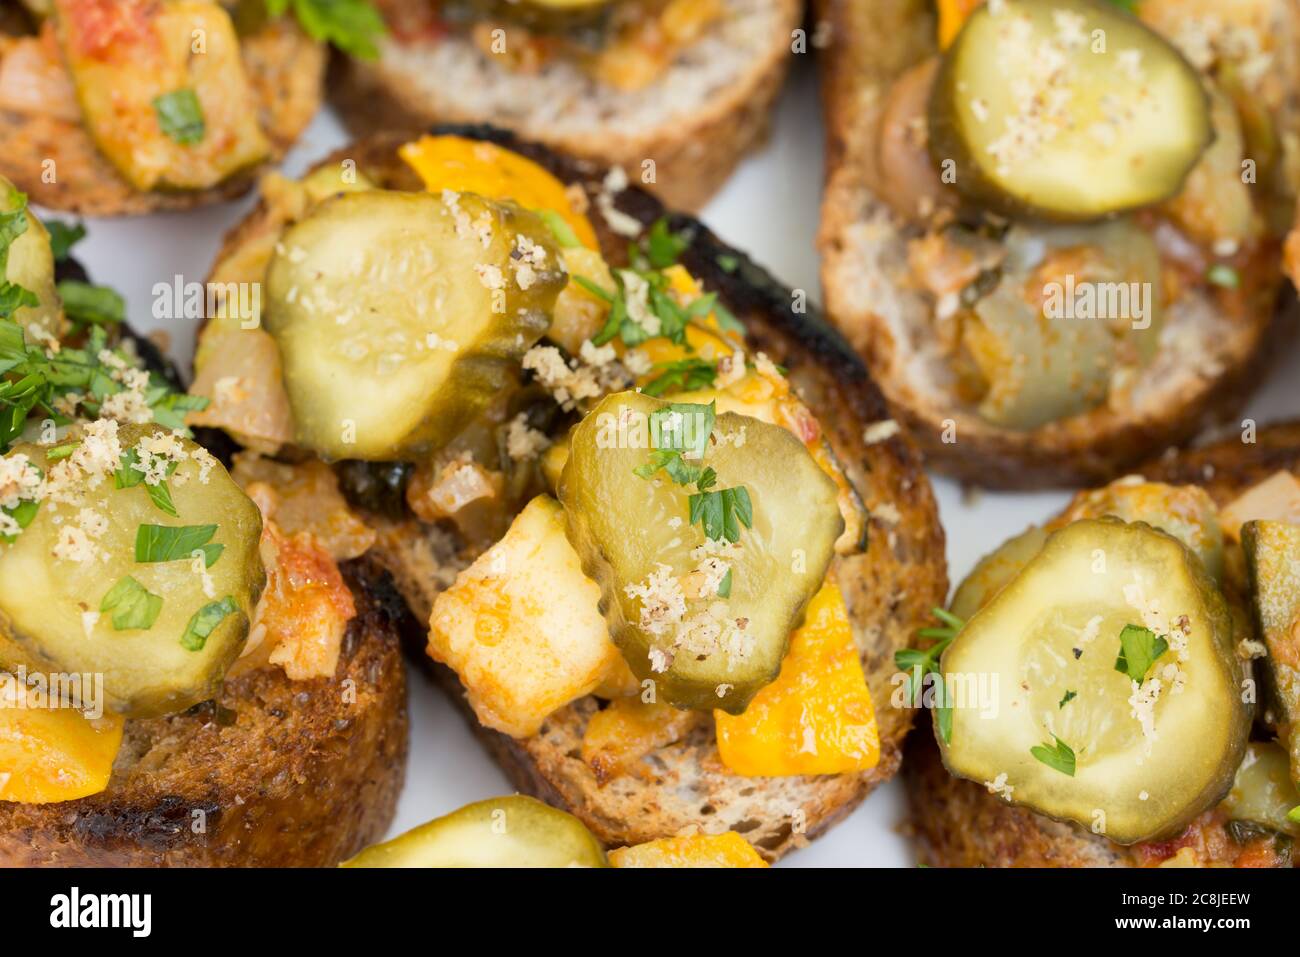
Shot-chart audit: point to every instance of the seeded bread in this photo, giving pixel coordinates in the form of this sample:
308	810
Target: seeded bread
708	110
889	588
958	823
274	773
1211	350
285	69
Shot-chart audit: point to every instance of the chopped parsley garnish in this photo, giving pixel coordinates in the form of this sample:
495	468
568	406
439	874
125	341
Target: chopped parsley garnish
89	304
23	513
1139	649
172	543
1060	757
1223	276
720	511
32	382
132	605
727	264
58	452
63	237
684	375
927	660
561	230
128	476
180	116
351	25
205	621
662	247
1069	696
724	586
683	429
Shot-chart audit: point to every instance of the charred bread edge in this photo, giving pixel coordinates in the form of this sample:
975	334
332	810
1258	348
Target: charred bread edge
956	823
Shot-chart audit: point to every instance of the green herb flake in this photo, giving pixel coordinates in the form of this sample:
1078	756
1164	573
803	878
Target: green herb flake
724	586
180	116
1139	649
1058	758
909	660
721	512
57	453
205	621
63	237
663	247
24	513
132	606
560	229
91	305
1069	696
1223	276
727	264
353	26
172	543
683	375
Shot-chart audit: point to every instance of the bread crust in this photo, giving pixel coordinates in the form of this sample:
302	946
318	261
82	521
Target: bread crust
274	773
694	153
958	823
286	70
889	588
871	43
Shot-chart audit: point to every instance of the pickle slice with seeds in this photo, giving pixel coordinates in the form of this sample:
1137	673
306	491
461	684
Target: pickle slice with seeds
1066	109
401	316
1146	760
706	641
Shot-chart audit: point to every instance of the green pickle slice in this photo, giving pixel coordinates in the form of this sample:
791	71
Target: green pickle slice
1067	110
512	831
76	596
1061	729
400	316
704	646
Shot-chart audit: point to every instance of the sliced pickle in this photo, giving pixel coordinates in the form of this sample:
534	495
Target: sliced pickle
512	831
30	264
57	576
1066	109
1074	305
1265	791
1273	560
400	316
635	537
166	114
1034	675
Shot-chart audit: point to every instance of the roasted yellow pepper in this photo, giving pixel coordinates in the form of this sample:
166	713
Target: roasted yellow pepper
728	849
474	166
952	15
817	717
53	754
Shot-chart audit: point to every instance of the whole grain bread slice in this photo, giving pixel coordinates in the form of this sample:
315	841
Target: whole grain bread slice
710	107
958	823
1212	349
273	773
889	588
286	70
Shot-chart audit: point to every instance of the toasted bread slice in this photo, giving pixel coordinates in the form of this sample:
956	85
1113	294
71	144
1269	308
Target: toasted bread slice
695	122
274	773
888	588
1211	348
958	823
285	69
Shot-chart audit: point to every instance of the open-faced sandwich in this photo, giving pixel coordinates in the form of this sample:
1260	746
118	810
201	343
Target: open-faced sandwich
111	107
1053	227
665	536
190	671
1121	687
674	92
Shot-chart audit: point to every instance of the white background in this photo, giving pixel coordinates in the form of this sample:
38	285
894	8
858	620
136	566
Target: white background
770	209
